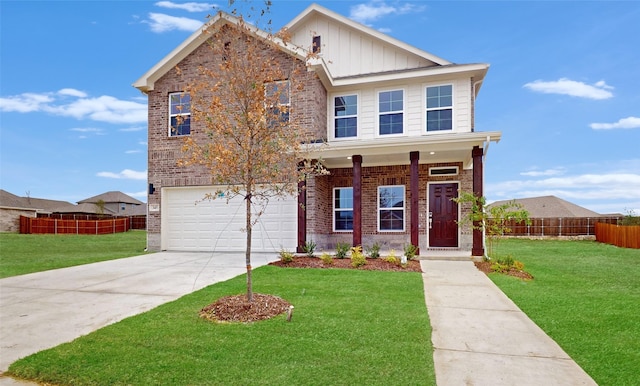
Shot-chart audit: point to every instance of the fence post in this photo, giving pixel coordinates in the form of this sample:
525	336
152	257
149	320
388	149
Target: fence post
55	226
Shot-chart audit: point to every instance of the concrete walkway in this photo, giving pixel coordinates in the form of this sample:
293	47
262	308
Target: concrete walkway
481	337
42	310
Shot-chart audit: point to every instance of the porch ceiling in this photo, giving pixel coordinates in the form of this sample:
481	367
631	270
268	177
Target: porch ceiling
435	148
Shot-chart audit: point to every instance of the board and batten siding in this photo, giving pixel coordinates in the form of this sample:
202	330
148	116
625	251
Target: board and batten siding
349	52
414	108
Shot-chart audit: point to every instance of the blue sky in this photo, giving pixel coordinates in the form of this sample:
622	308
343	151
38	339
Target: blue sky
563	88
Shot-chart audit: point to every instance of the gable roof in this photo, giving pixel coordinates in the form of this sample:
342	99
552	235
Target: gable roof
147	81
316	10
112	196
550	206
10	200
422	62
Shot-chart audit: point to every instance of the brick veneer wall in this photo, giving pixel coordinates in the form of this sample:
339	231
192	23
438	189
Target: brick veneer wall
320	205
308	107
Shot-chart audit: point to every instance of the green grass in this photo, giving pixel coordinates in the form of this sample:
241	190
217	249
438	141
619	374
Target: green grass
21	254
586	296
349	327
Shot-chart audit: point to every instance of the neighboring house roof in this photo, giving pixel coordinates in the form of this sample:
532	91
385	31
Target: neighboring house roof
112	196
85	208
10	200
550	206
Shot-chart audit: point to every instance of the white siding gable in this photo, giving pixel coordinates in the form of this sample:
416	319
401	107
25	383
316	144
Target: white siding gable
348	51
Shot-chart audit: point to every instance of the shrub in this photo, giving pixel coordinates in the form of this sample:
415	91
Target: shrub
309	248
341	250
326	258
392	258
357	257
410	251
286	256
374	251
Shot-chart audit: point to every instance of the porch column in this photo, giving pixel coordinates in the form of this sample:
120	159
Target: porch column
414	156
477	154
302	215
357	200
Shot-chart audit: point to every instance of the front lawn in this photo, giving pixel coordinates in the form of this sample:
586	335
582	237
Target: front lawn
349	327
21	254
586	296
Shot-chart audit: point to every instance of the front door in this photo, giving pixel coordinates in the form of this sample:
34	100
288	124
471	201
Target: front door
443	214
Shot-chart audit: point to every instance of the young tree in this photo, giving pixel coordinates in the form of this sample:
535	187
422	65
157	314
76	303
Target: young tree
245	131
494	220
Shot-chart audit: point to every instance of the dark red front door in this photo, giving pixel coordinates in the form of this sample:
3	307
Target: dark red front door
443	214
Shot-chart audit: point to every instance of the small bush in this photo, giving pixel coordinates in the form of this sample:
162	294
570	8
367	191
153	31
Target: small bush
341	250
357	257
374	251
392	258
286	256
326	258
410	251
309	248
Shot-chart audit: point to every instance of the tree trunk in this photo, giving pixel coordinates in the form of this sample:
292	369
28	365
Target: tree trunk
248	250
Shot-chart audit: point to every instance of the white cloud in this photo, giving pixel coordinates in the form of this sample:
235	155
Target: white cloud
374	10
132	151
25	103
541	173
624	123
102	109
564	86
88	130
162	23
190	7
125	174
132	129
142	195
72	92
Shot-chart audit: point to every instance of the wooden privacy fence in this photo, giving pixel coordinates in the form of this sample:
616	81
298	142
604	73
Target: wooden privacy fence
80	227
135	222
559	226
625	236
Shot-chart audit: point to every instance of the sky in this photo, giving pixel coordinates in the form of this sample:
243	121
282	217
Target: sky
563	88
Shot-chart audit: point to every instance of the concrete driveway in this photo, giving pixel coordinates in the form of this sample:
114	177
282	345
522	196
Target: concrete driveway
42	310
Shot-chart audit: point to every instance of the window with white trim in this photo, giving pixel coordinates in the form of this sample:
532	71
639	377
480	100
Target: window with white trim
390	112
345	116
391	208
342	209
278	95
179	114
440	108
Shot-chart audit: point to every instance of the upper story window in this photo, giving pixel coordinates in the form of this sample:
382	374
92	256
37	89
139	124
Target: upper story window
345	116
278	96
391	208
440	108
390	112
316	45
179	114
343	209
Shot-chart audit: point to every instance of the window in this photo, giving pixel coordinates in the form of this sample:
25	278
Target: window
179	114
316	45
279	97
390	112
345	116
440	108
391	208
343	209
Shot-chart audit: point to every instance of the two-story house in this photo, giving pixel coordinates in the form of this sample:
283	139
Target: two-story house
398	123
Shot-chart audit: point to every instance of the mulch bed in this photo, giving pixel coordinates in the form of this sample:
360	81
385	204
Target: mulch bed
485	266
371	265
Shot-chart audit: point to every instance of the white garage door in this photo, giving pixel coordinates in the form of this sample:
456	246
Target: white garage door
191	224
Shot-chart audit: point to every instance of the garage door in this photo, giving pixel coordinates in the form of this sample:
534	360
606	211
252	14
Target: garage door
191	224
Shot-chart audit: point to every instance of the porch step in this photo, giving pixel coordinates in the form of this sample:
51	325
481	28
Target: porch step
444	254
